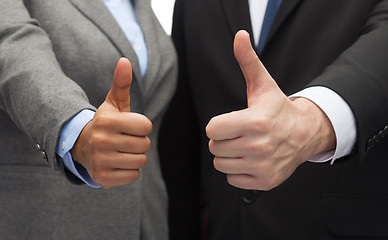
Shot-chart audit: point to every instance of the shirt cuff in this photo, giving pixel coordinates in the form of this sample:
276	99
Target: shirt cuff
69	134
340	116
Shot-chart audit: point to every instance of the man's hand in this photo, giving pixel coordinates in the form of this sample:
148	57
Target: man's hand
112	146
261	146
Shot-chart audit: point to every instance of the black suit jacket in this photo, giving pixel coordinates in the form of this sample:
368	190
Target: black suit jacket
342	45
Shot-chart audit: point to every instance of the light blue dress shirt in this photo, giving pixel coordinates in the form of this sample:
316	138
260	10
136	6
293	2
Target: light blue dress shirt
124	13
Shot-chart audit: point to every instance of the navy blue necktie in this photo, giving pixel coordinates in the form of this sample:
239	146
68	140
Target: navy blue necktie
270	13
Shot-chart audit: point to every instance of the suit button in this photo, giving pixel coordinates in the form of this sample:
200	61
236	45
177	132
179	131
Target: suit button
42	152
44	155
249	196
369	145
385	131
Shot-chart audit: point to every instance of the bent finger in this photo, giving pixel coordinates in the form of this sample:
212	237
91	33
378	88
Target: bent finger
231	165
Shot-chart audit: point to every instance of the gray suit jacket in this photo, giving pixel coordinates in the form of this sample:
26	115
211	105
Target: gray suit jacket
57	58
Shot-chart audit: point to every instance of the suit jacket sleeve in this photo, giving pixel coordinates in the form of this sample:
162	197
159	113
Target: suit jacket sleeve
360	76
34	91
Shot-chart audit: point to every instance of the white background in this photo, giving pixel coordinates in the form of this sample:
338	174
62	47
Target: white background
163	10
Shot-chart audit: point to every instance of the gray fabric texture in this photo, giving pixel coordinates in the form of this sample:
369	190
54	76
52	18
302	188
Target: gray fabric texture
57	58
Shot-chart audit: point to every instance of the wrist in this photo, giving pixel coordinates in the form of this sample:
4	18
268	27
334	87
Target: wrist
317	131
79	150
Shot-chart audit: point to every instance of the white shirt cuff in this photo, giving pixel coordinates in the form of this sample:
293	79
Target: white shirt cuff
340	116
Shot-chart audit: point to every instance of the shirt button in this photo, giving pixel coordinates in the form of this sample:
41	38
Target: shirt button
113	3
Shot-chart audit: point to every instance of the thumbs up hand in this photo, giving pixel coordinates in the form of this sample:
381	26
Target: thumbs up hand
261	146
112	146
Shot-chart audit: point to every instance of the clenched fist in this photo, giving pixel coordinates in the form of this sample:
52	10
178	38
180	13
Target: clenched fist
261	146
112	146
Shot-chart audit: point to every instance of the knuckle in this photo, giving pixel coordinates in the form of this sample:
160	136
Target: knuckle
262	147
262	168
266	183
142	161
263	184
135	174
267	146
270	146
217	164
237	181
145	123
141	145
97	140
147	144
261	124
266	123
209	131
211	147
230	180
210	127
269	185
255	148
101	121
97	161
99	177
148	127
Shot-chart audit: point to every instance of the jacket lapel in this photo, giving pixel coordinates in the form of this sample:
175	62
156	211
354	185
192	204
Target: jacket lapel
145	18
97	13
286	8
237	15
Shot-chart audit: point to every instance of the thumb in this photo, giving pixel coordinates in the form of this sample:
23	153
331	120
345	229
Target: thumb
256	75
118	96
